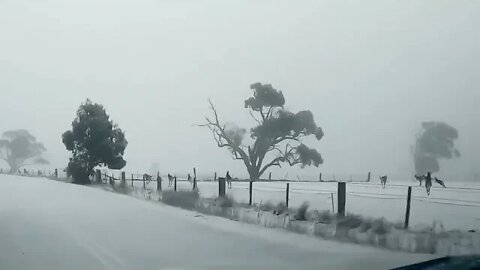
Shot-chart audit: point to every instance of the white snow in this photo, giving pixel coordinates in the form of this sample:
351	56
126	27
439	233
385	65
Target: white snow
46	224
456	207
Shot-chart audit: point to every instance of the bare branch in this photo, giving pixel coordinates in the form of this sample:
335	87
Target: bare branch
222	140
253	116
270	111
274	162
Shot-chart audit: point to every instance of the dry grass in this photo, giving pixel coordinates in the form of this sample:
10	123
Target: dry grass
183	199
301	213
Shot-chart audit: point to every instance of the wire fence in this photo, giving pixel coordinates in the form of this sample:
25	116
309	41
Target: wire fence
456	207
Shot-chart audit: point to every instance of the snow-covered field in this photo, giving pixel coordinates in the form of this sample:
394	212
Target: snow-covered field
46	224
457	207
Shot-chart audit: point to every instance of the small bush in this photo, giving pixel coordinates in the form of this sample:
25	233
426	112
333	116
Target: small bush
183	199
280	209
380	226
324	217
226	202
268	206
302	211
350	221
366	225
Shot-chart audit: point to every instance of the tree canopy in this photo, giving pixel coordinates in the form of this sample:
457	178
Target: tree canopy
277	137
94	140
435	141
20	148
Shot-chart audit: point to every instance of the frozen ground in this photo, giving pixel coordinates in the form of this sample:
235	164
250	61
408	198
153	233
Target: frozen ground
457	207
46	224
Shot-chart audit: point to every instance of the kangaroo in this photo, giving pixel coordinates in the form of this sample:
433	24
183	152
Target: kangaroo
383	181
440	182
428	182
170	180
420	179
229	180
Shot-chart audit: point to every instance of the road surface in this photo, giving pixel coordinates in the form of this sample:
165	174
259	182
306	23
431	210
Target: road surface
46	224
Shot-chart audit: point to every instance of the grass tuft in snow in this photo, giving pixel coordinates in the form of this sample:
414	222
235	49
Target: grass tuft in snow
301	213
225	202
183	199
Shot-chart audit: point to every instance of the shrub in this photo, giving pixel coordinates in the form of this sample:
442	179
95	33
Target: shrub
301	213
183	199
225	201
350	221
281	208
324	217
268	206
366	225
380	226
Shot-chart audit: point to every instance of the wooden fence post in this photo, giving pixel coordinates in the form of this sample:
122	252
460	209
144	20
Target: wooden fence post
221	187
56	173
287	195
124	179
342	190
159	182
112	180
215	177
144	179
98	176
175	184
250	189
194	178
132	179
333	204
270	176
407	214
369	176
320	178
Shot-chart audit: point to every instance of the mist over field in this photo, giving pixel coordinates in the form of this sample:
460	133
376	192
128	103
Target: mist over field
370	73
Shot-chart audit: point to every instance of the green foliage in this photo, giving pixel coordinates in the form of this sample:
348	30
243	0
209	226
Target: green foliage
94	140
264	96
308	156
18	147
436	141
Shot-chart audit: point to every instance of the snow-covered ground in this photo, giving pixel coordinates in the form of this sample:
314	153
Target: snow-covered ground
46	224
457	207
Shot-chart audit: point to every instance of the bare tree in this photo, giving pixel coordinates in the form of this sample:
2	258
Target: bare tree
19	148
277	137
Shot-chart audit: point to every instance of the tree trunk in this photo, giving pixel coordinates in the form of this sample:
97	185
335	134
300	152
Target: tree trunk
13	166
254	174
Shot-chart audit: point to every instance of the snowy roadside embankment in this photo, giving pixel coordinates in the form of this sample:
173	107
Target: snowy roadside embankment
378	233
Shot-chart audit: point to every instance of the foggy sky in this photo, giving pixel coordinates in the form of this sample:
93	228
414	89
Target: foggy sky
370	72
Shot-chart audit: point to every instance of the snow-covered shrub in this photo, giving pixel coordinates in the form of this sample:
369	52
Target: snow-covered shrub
350	221
280	208
226	201
301	213
183	199
324	217
380	226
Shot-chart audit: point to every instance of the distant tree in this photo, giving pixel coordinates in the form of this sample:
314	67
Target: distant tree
94	141
435	141
20	148
277	137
